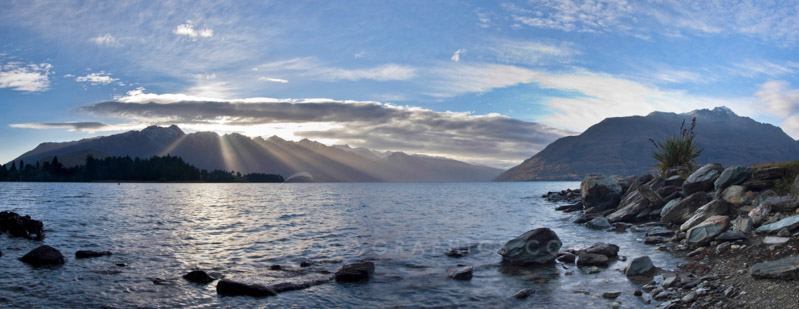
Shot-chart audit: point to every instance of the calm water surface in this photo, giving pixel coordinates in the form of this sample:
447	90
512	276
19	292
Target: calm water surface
239	230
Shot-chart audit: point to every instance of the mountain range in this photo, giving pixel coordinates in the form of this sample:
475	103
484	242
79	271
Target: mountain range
621	145
236	152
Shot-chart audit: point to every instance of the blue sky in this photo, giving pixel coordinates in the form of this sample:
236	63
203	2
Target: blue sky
487	82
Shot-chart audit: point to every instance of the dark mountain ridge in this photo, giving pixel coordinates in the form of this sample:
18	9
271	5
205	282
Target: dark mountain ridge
208	150
621	145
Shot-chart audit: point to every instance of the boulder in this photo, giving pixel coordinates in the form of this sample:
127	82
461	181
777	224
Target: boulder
787	223
355	272
227	287
566	257
600	192
460	272
702	180
199	277
785	268
742	224
44	256
737	195
675	181
684	209
655	200
759	214
538	246
639	266
591	259
84	254
630	211
707	230
608	250
782	203
667	191
769	173
733	175
598	223
714	208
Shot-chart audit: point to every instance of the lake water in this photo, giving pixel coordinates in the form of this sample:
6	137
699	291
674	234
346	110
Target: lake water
165	230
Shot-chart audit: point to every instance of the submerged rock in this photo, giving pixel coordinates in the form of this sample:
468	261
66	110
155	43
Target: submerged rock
198	276
702	179
461	272
598	223
592	259
639	266
524	293
608	250
84	254
355	272
786	269
457	252
538	246
44	256
600	192
227	287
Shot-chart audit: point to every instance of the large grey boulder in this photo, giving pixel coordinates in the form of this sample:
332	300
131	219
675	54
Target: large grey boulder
653	197
639	266
630	211
733	175
598	223
738	196
538	246
759	214
714	208
702	179
684	209
787	223
44	256
786	269
600	192
707	230
674	181
782	203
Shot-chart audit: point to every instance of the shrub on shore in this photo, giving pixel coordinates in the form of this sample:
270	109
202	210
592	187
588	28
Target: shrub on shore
676	150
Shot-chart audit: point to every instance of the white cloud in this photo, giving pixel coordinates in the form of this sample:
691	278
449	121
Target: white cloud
452	80
100	78
105	40
360	54
530	52
756	68
311	69
187	29
274	80
457	55
205	76
29	78
580	15
779	99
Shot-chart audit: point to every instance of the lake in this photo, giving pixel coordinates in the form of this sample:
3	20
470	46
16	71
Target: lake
239	230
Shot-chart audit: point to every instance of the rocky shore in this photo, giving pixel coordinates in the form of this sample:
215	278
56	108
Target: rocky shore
738	236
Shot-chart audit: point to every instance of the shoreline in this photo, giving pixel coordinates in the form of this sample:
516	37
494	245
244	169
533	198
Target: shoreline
719	264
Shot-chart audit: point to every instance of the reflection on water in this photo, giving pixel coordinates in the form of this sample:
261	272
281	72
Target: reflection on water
165	230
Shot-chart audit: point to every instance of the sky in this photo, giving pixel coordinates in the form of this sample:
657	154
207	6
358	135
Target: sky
487	82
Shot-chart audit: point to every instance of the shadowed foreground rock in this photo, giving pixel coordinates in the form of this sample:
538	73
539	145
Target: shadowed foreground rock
44	256
639	266
355	272
787	269
538	246
21	226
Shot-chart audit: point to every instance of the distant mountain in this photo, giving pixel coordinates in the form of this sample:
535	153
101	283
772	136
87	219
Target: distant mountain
208	150
621	145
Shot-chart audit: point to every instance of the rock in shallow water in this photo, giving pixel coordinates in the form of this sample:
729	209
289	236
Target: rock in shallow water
461	272
84	254
198	276
639	266
44	256
598	223
355	272
538	246
524	293
21	226
591	259
227	287
608	250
